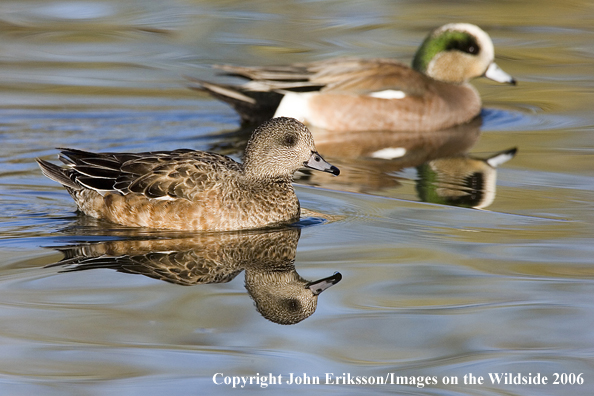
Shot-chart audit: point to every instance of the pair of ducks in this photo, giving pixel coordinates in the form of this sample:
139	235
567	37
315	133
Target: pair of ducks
196	190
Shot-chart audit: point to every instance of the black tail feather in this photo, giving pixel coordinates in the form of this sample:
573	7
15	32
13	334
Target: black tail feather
254	107
58	174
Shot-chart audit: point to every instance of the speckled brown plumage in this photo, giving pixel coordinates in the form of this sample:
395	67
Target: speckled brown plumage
267	256
194	190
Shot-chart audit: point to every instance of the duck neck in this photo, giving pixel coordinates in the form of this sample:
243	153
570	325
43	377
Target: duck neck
262	180
265	174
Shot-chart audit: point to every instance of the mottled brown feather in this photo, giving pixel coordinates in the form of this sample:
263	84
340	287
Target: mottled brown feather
193	190
267	257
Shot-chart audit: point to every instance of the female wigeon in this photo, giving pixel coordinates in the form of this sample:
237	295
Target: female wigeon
194	190
350	94
280	294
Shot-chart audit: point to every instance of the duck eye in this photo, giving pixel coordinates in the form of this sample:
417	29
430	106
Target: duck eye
290	140
466	44
292	304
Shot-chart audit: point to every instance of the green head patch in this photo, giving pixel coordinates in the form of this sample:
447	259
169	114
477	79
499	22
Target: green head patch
447	40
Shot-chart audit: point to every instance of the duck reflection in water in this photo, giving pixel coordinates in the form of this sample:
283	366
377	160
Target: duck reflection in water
369	161
461	180
280	294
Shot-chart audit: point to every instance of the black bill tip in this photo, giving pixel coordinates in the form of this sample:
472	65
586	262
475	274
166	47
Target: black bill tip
318	163
334	170
322	284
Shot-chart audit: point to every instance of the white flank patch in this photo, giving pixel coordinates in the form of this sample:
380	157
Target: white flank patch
295	105
389	153
388	94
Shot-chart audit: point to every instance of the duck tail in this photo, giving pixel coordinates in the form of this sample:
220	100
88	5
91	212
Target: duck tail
58	174
254	107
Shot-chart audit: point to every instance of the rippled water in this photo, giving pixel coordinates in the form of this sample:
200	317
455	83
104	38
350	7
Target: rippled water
428	288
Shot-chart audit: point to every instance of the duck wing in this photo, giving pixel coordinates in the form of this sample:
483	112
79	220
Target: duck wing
353	75
160	174
181	265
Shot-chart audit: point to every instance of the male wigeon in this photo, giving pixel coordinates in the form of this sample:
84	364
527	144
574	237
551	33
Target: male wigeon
194	190
350	94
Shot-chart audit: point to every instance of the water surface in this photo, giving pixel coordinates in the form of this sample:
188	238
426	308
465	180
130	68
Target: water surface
427	289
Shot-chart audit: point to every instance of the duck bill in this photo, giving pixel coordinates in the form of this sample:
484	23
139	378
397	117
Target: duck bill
495	73
320	285
318	163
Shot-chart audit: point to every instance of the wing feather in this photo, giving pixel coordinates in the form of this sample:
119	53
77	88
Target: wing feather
160	175
353	75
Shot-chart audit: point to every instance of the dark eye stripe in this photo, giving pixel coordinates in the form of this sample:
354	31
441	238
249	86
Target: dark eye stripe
466	44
